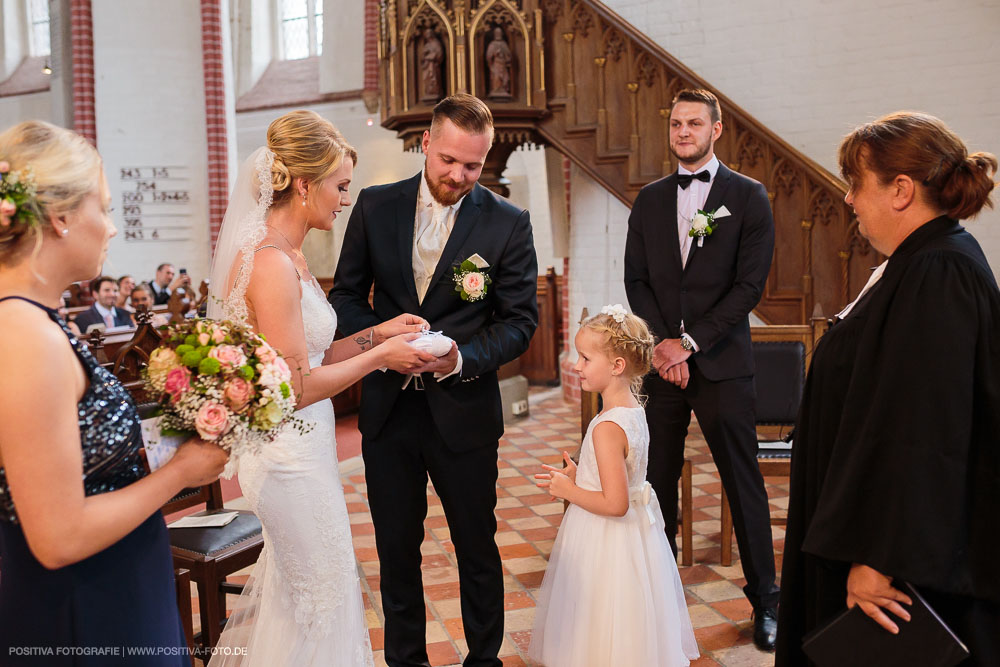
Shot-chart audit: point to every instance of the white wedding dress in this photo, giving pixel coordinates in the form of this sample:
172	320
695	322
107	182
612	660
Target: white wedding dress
302	605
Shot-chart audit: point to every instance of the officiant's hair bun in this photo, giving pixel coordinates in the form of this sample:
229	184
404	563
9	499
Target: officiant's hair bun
307	146
925	149
630	339
65	168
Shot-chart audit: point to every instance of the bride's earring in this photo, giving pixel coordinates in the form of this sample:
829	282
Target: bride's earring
303	199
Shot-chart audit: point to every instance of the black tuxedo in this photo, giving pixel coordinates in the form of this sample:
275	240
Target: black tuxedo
713	294
92	316
450	430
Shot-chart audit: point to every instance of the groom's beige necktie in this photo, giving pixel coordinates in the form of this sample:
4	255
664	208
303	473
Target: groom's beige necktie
428	247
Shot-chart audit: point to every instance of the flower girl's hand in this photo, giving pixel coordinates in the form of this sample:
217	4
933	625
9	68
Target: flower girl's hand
557	484
569	469
402	324
400	356
200	462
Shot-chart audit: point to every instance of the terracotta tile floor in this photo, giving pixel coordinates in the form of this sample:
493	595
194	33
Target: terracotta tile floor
527	527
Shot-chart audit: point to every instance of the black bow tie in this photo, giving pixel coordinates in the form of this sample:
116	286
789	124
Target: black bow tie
684	180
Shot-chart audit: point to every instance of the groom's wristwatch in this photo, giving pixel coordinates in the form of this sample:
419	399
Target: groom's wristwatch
686	344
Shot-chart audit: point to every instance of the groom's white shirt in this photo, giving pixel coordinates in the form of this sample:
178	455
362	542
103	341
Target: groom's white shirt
427	207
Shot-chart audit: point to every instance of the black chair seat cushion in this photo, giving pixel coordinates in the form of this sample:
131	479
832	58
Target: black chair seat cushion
209	541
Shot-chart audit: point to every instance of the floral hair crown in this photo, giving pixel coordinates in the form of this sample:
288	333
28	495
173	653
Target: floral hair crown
617	312
17	196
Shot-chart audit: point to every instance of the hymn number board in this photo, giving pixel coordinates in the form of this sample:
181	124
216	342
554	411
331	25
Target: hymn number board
156	204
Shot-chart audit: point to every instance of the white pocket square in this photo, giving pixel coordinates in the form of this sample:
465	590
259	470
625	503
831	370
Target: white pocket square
721	213
478	261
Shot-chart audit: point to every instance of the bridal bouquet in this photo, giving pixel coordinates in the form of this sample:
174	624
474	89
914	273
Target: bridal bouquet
220	381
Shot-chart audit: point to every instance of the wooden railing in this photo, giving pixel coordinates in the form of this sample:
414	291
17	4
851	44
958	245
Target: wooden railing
609	91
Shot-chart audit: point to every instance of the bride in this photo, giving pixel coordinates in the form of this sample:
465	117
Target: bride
302	605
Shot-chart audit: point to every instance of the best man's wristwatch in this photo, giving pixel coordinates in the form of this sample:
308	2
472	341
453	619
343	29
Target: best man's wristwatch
686	344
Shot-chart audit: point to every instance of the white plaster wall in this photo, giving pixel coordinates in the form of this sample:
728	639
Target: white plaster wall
13	35
254	30
150	107
597	248
33	106
812	69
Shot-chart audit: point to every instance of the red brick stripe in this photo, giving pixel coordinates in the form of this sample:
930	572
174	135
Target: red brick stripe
371	45
215	115
82	40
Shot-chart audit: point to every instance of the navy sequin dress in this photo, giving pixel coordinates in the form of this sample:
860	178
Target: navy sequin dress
117	607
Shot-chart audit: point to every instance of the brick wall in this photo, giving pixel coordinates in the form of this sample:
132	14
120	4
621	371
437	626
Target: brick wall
371	44
811	70
82	27
215	115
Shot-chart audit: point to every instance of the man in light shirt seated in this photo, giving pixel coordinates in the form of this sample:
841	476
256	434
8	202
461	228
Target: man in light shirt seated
104	313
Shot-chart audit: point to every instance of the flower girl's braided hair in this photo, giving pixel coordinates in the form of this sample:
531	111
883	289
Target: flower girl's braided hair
626	336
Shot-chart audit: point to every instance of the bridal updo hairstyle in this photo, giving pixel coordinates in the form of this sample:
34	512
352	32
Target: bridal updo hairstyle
923	148
305	145
629	339
65	168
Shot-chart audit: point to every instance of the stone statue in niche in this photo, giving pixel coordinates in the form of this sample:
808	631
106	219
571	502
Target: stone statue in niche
499	59
430	57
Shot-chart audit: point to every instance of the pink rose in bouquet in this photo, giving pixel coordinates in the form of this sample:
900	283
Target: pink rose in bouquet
237	394
229	356
178	382
266	353
212	420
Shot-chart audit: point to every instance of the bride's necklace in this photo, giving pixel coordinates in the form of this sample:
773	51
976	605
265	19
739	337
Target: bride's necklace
290	244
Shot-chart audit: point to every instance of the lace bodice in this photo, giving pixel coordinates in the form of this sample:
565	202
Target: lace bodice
633	422
319	321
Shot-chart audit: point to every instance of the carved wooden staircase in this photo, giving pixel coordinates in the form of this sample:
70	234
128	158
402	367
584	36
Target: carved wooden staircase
609	89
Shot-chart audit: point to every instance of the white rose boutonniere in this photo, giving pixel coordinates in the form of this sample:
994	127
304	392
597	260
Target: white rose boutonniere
704	223
471	278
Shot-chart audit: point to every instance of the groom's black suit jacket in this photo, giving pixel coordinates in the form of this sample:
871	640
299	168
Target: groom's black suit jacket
722	281
378	247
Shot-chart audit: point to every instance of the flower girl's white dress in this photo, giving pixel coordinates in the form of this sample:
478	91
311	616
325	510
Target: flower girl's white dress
611	594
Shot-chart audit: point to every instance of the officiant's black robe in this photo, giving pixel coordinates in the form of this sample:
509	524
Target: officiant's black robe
896	461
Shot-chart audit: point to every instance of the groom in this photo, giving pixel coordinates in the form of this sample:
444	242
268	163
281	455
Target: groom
408	239
697	293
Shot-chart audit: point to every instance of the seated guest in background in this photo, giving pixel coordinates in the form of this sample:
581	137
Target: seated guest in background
165	283
125	286
896	465
104	311
143	298
85	558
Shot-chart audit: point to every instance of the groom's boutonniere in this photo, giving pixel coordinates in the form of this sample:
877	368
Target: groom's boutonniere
471	278
704	223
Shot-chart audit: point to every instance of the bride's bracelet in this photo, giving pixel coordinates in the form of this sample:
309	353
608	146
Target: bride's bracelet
371	337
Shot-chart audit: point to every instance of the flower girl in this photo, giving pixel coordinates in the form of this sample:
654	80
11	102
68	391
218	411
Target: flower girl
611	594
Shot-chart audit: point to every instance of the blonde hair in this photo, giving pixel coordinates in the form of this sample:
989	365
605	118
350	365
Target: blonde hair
307	146
66	168
629	339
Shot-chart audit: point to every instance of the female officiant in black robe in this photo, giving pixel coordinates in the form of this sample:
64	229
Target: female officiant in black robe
896	466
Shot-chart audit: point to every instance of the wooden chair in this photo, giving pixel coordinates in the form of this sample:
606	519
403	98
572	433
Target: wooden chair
782	354
182	581
212	554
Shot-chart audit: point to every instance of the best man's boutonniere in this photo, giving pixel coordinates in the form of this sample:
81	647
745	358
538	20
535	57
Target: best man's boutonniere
704	223
471	279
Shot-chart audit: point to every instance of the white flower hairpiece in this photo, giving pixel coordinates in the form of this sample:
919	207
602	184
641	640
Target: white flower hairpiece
617	312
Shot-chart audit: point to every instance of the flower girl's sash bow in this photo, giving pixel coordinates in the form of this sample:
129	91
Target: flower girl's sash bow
643	497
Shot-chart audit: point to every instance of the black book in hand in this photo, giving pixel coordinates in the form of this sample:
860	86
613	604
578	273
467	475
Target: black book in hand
855	639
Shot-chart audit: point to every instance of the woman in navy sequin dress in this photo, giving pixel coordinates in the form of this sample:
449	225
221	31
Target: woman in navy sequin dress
86	573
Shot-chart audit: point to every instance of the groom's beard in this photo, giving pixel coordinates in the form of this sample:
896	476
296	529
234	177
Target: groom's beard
443	195
699	152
